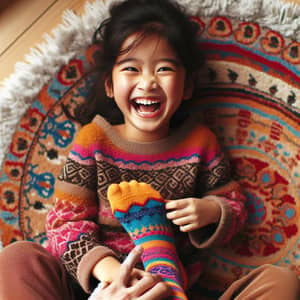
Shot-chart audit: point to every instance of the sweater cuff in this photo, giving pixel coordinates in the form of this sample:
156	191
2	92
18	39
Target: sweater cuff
88	262
213	234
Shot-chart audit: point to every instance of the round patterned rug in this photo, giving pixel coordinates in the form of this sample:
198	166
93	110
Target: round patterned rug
248	93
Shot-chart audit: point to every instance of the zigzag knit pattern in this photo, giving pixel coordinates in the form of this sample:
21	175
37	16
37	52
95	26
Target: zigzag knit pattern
140	209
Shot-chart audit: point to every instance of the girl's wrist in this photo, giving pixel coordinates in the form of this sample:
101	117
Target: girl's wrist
106	269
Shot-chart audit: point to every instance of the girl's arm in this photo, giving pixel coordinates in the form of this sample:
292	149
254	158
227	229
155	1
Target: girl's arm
232	216
211	220
71	225
215	217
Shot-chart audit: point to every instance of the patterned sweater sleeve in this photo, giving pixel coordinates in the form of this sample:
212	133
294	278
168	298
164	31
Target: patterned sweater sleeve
216	184
71	225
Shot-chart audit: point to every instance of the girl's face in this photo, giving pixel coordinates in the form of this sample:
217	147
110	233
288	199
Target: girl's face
148	85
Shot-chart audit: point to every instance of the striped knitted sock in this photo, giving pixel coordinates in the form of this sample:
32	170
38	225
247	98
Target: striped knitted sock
141	211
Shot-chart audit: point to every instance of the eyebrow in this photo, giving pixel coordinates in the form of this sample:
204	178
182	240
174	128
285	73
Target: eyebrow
131	59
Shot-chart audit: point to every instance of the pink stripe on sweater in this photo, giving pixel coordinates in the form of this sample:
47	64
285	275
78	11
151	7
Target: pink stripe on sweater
76	158
112	152
130	160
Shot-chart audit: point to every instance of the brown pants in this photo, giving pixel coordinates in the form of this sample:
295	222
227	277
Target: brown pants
29	272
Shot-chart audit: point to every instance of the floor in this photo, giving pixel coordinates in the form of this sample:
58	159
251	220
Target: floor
23	23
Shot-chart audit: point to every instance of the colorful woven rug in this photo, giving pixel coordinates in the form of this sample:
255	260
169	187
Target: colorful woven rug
248	93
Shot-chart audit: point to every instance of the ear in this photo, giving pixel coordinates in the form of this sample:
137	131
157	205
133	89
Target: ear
188	88
108	88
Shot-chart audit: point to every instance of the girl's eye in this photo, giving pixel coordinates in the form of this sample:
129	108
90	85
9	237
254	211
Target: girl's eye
130	69
166	69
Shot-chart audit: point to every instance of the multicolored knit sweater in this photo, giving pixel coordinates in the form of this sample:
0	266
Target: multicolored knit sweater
188	163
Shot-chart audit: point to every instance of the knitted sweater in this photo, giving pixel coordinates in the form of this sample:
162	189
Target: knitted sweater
188	163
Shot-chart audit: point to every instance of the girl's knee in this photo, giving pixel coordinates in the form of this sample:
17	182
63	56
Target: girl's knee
20	254
283	278
22	248
28	269
279	272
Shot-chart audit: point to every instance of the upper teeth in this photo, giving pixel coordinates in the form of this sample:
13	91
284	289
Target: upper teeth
146	101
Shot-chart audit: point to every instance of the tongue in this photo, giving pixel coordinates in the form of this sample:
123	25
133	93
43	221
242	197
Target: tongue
148	108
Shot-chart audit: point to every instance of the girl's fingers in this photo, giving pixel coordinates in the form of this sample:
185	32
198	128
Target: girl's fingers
182	221
133	257
124	275
175	204
176	214
148	281
128	264
188	227
159	292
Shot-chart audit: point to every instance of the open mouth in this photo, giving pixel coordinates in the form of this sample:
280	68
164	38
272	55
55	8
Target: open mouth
147	107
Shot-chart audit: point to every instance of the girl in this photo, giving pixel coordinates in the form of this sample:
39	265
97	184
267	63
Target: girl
139	129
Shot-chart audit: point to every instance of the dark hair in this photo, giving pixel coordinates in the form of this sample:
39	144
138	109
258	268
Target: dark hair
163	17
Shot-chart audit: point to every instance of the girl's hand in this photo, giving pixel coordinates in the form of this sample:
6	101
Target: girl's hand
148	287
193	213
137	275
107	269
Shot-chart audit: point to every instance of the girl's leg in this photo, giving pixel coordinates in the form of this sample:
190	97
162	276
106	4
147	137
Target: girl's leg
29	272
265	283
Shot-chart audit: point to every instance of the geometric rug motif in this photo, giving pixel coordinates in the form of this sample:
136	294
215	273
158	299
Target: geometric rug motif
248	94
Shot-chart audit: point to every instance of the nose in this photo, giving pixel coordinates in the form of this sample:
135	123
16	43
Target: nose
147	82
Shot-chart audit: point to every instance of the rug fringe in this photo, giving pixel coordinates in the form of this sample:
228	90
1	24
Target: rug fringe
283	17
74	34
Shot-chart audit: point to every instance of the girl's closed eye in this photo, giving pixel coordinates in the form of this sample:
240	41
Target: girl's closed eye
130	69
166	69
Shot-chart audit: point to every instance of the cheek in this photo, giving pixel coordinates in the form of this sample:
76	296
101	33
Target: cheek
175	88
122	87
